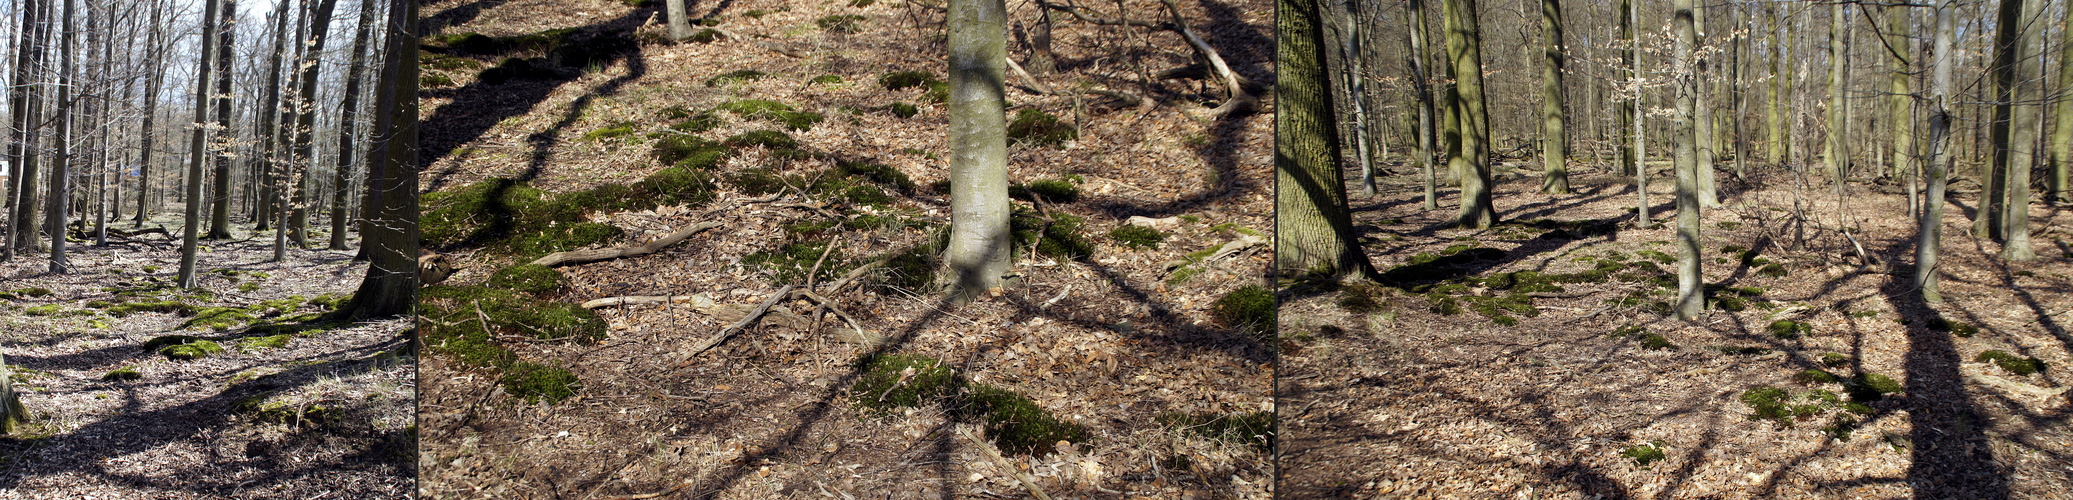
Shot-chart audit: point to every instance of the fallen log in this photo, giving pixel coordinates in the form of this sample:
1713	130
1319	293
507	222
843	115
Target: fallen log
593	255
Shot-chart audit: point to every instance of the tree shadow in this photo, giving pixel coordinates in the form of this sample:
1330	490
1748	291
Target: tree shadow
1949	456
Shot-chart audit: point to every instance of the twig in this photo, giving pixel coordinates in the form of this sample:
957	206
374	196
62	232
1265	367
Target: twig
816	271
786	291
1027	482
580	256
1054	300
659	494
1039	86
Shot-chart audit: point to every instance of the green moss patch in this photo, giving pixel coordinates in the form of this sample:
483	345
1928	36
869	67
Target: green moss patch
123	374
1644	454
613	131
42	310
1016	424
1254	428
1788	329
1773	270
773	110
1051	190
878	173
2015	365
766	138
744	75
789	263
905	79
266	342
535	382
434	80
1960	329
1057	236
1034	126
841	23
913	270
902	110
896	381
527	278
1137	236
192	350
825	80
1249	309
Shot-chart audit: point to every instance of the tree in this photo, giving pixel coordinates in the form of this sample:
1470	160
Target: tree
61	166
389	234
219	216
1897	45
1421	85
1554	141
154	64
1639	140
979	243
2061	183
1691	289
1313	227
297	222
1832	147
1781	90
2025	120
1702	115
349	120
22	185
1929	229
1472	158
1356	84
197	151
679	20
267	159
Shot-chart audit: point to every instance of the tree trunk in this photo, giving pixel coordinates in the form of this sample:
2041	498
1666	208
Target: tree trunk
1357	84
1554	141
348	122
2061	184
1832	145
61	165
1691	289
267	158
1314	229
1464	48
219	216
1781	90
1421	83
389	234
22	187
679	20
1702	119
1929	229
197	151
1993	177
1639	142
154	67
979	240
2025	124
305	124
1041	59
1629	64
12	413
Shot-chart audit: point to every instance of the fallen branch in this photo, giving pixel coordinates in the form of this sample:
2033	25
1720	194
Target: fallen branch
1977	373
738	325
1027	482
1033	83
1227	249
581	256
1240	99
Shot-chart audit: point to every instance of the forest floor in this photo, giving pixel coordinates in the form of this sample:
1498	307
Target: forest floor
1573	383
1103	346
279	403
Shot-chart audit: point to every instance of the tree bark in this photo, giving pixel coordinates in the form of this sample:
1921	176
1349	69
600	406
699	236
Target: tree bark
197	150
2025	124
1421	83
154	68
1832	145
1464	48
679	20
12	412
1929	229
1314	229
1639	140
979	241
266	159
219	215
1691	289
61	165
1781	91
389	234
2061	183
348	123
1702	115
305	124
1554	140
22	185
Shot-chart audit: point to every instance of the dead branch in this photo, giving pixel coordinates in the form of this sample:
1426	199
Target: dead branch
581	256
1033	83
700	302
862	337
1027	482
1227	249
1240	98
816	271
786	291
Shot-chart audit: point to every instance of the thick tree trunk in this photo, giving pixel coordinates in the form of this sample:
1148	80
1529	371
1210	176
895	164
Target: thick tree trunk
1832	145
348	123
1421	83
61	164
1624	119
22	187
679	20
266	161
1554	135
154	67
1691	289
2061	185
2025	124
389	234
1313	228
219	215
197	151
305	124
1472	159
1993	177
1929	228
12	412
979	240
1357	83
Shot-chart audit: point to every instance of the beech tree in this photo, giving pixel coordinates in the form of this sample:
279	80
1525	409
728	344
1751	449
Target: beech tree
1691	287
1472	156
389	234
348	123
1929	228
979	241
1313	226
1554	140
197	146
61	167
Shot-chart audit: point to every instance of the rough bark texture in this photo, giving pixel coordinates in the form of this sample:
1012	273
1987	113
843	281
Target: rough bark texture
1554	140
1899	48
219	214
389	235
21	186
1639	140
197	149
348	124
1472	159
12	413
1421	83
1314	230
2061	185
1929	232
1691	289
1781	90
979	208
61	164
679	20
2025	123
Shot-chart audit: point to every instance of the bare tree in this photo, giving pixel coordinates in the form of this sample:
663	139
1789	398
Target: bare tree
61	165
197	146
1314	229
1929	228
1554	141
979	243
389	234
348	121
1472	157
1691	286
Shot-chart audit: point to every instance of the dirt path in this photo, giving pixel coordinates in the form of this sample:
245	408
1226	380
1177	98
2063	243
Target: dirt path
292	407
1560	405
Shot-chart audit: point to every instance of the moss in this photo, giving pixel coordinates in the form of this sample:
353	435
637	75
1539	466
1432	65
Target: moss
1842	426
1834	359
1051	190
126	373
904	79
754	107
163	306
1249	309
1255	428
861	3
791	262
1034	126
1867	387
896	381
536	383
2015	365
1788	329
1657	256
1058	236
757	13
191	350
1137	236
1816	376
479	213
1772	270
867	195
1730	303
677	185
1016	424
879	173
1644	454
707	35
1741	351
615	130
1358	298
757	181
434	80
690	151
841	23
42	310
527	278
902	110
219	318
1626	331
742	75
1522	282
267	342
938	91
913	270
560	238
1959	329
1769	403
825	80
771	139
1656	341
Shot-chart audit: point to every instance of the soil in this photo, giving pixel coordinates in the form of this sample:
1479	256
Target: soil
330	411
1399	401
1105	342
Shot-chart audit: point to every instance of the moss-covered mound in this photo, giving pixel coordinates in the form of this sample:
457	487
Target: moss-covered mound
1137	236
527	278
512	217
1055	236
182	347
2012	363
1050	190
462	321
905	79
903	381
1017	424
1034	126
1250	309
